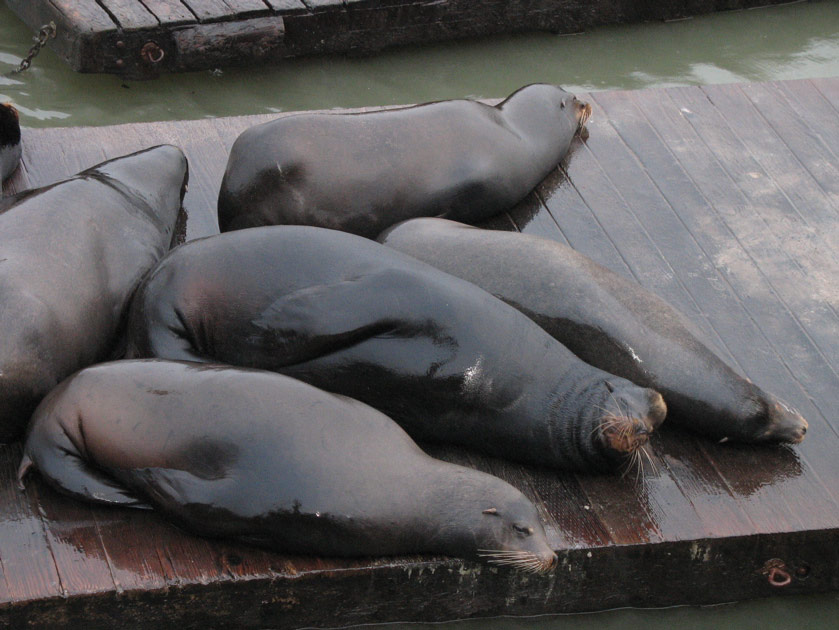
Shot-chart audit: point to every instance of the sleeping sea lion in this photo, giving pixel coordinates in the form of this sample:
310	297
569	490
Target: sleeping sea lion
72	254
363	172
608	321
266	459
445	359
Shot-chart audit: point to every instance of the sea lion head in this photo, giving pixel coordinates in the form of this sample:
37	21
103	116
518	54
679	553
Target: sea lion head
9	125
772	421
510	534
543	110
582	114
615	426
487	519
629	416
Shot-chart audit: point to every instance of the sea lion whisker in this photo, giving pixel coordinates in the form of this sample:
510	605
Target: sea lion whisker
646	453
504	554
639	466
621	412
529	563
630	463
606	424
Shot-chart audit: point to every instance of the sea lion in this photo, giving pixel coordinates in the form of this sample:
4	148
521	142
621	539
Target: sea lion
267	459
73	252
361	173
442	357
608	321
10	147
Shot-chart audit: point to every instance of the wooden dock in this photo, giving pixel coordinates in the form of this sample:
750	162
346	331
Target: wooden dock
722	199
141	38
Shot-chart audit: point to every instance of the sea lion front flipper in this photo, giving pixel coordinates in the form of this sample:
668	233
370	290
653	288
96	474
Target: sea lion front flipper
314	321
68	473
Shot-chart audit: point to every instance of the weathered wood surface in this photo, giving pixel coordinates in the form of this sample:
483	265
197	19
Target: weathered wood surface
141	38
724	200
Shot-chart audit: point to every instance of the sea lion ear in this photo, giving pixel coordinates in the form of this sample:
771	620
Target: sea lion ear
562	104
490	511
609	386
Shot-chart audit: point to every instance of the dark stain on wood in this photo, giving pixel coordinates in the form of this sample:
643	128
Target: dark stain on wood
109	35
722	200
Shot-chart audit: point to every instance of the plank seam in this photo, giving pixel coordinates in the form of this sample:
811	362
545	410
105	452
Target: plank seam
777	295
768	176
750	257
786	96
36	496
824	96
675	274
760	271
746	199
789	149
734	293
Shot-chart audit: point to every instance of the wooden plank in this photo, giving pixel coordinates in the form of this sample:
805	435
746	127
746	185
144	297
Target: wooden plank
810	296
83	15
786	120
210	10
170	12
800	213
73	536
708	238
288	6
819	114
247	8
323	5
129	14
224	43
29	570
641	249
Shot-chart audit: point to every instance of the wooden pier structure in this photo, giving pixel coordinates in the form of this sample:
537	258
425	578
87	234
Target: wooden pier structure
141	38
724	200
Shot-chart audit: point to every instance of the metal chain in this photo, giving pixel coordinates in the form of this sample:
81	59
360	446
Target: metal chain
47	32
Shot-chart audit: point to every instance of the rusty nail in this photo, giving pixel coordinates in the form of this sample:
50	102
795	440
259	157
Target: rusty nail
152	53
120	44
779	577
120	63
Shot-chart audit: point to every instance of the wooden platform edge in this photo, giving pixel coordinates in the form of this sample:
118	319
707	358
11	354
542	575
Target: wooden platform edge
442	590
139	43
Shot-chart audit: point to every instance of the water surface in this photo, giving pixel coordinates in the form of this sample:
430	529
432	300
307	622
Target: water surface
792	41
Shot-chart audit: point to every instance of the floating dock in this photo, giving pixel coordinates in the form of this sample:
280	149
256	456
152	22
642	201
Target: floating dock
141	38
724	200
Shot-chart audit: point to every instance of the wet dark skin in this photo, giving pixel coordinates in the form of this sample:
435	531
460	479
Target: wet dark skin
361	173
73	253
269	460
607	321
10	147
443	358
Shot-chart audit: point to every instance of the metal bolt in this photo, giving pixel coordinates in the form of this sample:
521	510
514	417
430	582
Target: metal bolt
779	577
152	53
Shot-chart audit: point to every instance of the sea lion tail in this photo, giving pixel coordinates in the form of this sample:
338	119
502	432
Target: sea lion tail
26	465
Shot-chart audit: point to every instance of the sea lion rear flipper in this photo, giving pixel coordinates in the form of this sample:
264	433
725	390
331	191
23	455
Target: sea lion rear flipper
71	475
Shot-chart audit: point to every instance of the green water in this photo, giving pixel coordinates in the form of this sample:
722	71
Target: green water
800	40
794	41
813	612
